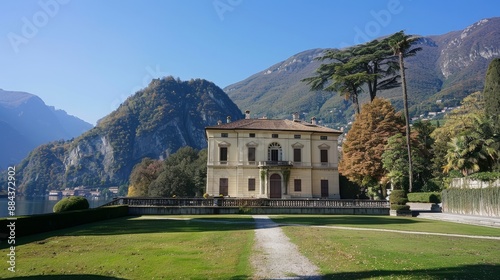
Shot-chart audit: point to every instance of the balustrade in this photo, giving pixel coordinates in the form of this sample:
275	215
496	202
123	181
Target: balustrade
249	202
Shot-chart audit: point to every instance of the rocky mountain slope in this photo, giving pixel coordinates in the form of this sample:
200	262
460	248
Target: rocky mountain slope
26	122
154	123
449	67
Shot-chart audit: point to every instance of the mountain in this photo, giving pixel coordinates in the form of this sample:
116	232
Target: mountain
449	67
155	122
26	122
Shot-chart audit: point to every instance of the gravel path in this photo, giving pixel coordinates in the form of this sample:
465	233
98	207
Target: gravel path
275	257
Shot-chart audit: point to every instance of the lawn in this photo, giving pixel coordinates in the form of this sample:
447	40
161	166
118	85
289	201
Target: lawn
219	247
355	254
139	248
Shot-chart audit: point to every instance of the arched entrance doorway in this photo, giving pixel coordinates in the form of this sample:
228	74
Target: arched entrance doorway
275	186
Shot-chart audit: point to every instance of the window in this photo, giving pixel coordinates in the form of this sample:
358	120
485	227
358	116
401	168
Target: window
274	152
297	136
297	185
251	184
323	137
251	154
275	135
324	188
324	156
297	155
223	154
224	186
225	135
274	155
251	135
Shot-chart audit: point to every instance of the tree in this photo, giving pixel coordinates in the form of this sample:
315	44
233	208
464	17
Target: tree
401	44
492	93
142	175
184	174
474	151
459	121
365	143
339	76
395	161
348	70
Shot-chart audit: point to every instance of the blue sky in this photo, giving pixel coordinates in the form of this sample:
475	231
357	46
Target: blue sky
88	56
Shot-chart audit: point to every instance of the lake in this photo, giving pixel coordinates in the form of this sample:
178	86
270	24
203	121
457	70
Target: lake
40	205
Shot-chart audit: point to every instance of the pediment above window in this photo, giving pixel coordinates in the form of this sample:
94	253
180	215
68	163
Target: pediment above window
252	145
324	147
297	146
224	144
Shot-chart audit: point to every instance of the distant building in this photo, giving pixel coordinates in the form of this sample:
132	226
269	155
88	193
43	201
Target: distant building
266	158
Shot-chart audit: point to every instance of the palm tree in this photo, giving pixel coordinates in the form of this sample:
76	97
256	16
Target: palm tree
475	151
401	45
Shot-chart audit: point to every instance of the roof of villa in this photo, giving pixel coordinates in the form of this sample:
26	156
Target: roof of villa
275	125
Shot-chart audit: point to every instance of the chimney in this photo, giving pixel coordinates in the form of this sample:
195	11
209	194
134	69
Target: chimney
219	122
313	120
228	119
247	114
295	117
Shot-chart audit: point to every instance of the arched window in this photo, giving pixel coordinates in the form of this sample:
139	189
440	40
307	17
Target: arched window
274	152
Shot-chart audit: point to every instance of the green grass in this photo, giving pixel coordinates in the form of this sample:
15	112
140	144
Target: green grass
350	254
220	246
139	248
390	223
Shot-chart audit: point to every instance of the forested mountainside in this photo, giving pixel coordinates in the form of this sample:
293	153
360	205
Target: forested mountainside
155	122
449	67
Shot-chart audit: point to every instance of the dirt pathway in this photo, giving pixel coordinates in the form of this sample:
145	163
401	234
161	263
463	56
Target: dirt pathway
275	257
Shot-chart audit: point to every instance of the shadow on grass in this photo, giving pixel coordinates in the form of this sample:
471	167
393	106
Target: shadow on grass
91	277
135	225
64	277
346	220
477	271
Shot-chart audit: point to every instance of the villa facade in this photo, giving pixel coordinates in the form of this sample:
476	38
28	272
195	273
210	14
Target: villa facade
266	158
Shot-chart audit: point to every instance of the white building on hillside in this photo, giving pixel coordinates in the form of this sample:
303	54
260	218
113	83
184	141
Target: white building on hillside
265	158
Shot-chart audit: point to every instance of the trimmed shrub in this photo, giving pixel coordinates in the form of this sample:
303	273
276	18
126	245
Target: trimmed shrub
71	203
398	197
425	197
398	200
400	207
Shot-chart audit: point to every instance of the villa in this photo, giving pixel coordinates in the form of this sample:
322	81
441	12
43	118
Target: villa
269	158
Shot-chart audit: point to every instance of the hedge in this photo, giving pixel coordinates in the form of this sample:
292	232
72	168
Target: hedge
27	225
425	197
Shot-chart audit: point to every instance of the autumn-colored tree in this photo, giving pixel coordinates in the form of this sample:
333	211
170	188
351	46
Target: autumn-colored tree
142	175
365	143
